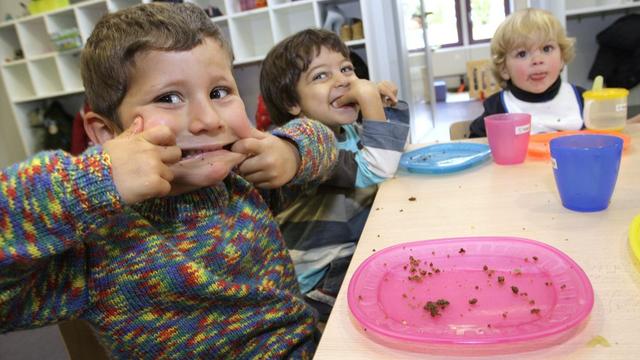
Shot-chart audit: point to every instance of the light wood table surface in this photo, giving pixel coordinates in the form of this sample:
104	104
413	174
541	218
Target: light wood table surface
520	201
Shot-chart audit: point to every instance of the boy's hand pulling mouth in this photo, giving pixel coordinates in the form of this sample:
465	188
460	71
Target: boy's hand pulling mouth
270	161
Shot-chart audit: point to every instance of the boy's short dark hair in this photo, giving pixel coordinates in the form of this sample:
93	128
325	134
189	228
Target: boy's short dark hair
284	65
108	56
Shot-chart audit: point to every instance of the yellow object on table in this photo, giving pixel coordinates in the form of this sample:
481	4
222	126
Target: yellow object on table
634	236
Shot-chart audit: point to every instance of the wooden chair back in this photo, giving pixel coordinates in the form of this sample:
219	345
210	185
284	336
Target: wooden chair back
482	84
460	130
80	341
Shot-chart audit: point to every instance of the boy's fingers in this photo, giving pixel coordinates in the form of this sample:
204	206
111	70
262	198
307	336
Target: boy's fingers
255	133
248	146
135	128
170	154
344	100
160	135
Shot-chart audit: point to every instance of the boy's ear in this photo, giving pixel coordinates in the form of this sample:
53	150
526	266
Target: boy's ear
295	110
98	128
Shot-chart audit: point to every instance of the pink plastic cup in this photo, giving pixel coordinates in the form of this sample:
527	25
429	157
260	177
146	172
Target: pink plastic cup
508	136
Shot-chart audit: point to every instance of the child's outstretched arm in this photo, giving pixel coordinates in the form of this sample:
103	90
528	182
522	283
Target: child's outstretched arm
317	153
52	203
273	161
48	205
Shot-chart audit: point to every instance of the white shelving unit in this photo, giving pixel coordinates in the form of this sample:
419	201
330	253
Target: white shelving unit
44	74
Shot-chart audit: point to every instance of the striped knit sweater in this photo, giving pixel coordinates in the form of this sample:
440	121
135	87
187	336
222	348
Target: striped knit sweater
200	275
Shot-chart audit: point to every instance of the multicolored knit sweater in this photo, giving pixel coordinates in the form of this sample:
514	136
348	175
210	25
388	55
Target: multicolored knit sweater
200	275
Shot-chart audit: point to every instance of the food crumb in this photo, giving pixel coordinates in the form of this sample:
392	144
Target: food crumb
435	307
563	286
501	279
412	198
461	251
598	340
473	301
535	311
535	258
504	315
514	289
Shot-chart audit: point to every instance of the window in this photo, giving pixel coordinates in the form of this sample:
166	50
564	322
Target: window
452	22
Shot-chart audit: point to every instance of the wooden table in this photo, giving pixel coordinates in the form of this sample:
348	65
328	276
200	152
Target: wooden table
521	201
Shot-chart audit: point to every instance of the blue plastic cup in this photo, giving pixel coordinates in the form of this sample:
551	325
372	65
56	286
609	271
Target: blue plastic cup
586	169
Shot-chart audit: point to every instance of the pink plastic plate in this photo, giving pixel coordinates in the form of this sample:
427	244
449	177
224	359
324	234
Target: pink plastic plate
500	290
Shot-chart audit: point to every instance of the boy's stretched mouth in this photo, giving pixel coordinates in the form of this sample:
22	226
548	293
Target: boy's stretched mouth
189	153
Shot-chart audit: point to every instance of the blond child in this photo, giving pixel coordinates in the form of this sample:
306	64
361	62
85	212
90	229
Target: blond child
528	52
151	236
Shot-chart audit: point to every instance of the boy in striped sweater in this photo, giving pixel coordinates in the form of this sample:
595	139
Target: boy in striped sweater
309	75
153	236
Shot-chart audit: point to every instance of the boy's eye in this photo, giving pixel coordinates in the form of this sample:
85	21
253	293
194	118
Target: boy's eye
319	76
347	69
169	98
521	54
548	48
219	93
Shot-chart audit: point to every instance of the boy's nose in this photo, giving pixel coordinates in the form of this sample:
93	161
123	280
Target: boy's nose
537	57
204	118
342	80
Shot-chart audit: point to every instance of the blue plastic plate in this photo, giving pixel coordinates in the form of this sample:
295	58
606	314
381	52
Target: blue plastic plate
445	158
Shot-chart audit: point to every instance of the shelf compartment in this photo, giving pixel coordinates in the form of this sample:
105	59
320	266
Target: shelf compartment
204	4
32	138
69	69
45	76
251	36
597	10
18	81
9	43
62	20
88	15
115	5
291	19
244	7
34	37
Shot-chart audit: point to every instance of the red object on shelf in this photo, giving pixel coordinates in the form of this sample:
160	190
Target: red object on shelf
263	121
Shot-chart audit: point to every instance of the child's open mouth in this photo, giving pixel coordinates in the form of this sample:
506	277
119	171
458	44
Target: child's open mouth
334	104
538	76
193	153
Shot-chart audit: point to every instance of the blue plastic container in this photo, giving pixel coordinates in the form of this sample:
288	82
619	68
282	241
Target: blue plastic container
586	169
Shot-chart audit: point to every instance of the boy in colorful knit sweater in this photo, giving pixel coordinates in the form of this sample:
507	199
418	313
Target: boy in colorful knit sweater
152	236
310	75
